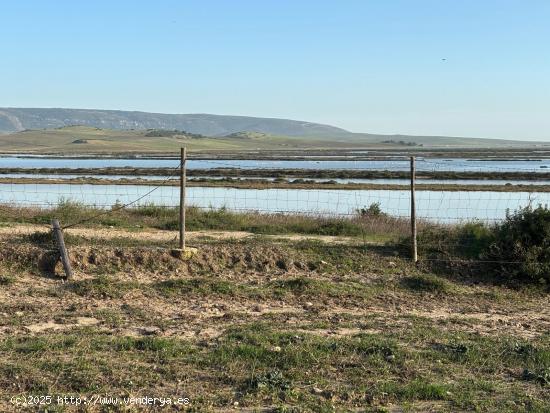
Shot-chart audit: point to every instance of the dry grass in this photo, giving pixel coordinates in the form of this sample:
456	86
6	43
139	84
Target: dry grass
380	228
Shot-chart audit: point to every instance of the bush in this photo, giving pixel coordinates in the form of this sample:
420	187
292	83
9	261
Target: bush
522	245
474	238
468	241
373	210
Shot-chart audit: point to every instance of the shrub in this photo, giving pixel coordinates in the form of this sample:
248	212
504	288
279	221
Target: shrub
469	240
522	245
474	238
373	210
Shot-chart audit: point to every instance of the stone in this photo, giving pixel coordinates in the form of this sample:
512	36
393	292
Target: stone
185	254
317	391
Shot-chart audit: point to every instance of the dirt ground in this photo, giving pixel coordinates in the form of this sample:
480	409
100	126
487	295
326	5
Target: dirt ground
164	235
244	306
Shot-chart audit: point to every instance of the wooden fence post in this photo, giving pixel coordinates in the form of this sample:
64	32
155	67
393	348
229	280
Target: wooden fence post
183	182
414	251
58	234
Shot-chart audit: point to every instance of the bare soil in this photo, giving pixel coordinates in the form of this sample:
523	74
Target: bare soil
237	280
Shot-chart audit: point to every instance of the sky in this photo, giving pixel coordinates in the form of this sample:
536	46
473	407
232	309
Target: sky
441	67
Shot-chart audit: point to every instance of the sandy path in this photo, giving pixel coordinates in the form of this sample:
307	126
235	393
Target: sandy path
165	235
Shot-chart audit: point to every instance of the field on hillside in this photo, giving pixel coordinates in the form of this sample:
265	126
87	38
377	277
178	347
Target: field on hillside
80	139
267	316
88	140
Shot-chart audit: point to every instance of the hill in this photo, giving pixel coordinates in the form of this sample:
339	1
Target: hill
87	131
18	119
85	139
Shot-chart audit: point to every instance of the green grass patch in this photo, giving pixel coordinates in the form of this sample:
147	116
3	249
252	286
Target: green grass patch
427	284
315	288
201	286
101	287
417	389
273	364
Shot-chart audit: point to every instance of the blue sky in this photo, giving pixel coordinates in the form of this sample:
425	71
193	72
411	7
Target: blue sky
367	66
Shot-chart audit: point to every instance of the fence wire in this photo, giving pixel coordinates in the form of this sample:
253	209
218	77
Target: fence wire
385	199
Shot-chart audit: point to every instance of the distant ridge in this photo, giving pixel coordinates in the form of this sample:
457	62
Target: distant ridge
18	119
13	120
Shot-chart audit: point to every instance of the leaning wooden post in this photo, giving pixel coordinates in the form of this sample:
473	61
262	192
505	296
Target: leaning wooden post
58	234
183	181
414	252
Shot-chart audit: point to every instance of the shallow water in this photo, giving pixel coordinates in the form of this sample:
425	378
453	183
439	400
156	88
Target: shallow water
438	206
433	164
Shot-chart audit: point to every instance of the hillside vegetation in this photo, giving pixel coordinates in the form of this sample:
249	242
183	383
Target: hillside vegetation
83	139
92	140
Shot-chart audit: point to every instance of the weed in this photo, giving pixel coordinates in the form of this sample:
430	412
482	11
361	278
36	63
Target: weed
541	375
272	379
6	280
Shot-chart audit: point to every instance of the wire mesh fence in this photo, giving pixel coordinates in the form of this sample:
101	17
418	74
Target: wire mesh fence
450	193
432	204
